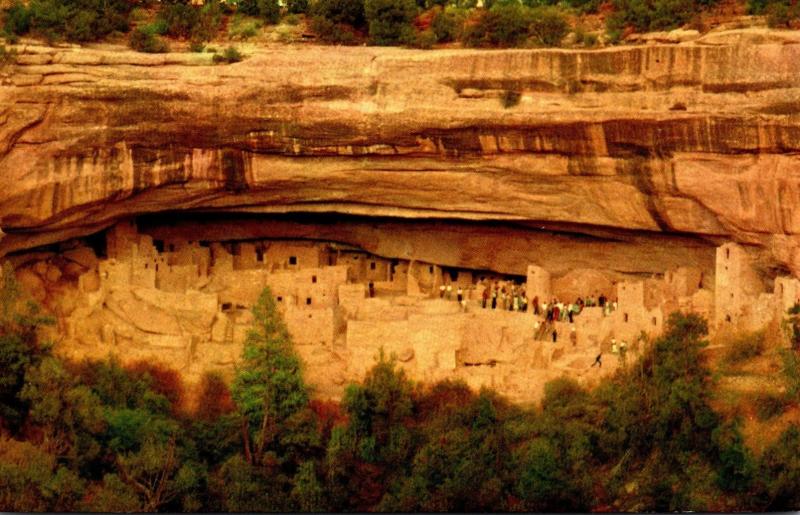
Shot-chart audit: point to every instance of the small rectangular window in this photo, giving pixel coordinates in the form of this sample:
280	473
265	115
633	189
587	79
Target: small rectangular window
313	278
280	299
626	317
308	301
292	260
372	266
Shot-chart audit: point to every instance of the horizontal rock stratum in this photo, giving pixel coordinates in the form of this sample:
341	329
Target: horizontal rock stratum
632	158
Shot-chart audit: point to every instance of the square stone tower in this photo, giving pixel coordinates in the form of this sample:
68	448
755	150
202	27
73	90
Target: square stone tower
735	284
538	283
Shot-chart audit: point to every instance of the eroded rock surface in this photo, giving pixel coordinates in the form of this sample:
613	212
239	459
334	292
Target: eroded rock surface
683	143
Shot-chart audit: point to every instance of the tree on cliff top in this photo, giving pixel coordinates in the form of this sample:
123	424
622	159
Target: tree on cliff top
269	389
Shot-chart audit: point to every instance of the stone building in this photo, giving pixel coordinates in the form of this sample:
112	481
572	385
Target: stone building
187	303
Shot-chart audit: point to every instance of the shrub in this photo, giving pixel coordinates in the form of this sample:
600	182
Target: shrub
350	12
243	27
208	23
87	20
230	55
424	40
791	373
389	20
448	24
159	26
587	39
17	19
179	18
585	6
780	468
331	32
548	26
292	19
778	15
196	46
735	464
145	41
162	380
504	25
756	6
268	10
20	348
745	347
297	6
651	15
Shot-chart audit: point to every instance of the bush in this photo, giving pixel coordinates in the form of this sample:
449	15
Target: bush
297	6
330	32
504	25
267	10
424	40
756	6
145	41
745	347
780	15
389	20
292	19
448	24
548	26
350	12
780	470
651	15
17	19
196	46
243	27
208	23
159	26
88	20
230	55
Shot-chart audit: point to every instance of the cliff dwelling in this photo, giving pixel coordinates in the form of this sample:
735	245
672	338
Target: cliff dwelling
152	240
180	293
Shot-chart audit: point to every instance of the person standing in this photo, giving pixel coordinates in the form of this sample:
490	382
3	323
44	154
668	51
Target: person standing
536	305
597	361
459	294
449	291
555	336
441	291
485	296
494	298
371	289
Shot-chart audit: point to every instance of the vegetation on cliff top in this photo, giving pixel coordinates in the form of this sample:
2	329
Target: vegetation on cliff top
415	23
98	436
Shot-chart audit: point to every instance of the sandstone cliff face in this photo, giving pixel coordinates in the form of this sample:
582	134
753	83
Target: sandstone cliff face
639	157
